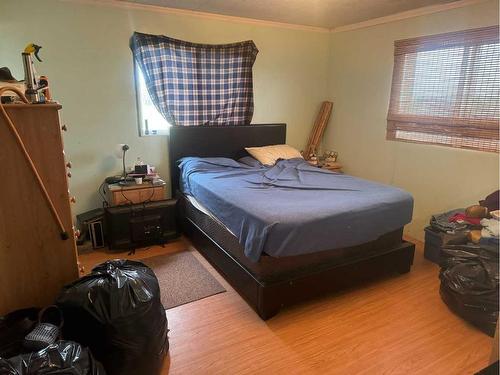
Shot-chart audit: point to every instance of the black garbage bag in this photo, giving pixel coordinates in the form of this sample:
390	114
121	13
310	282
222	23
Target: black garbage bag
13	328
469	284
62	357
116	311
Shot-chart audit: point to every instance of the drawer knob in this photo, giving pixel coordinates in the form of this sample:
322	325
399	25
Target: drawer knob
64	128
72	200
68	164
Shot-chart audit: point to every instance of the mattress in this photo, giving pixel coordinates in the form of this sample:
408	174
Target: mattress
198	206
293	208
268	269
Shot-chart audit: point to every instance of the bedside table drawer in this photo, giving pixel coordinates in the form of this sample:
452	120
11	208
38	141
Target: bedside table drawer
129	196
152	194
126	197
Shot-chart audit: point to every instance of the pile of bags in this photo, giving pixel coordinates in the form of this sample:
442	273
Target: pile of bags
469	262
63	357
114	323
472	223
469	283
116	311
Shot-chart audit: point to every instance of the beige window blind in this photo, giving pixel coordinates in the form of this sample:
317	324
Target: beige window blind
445	90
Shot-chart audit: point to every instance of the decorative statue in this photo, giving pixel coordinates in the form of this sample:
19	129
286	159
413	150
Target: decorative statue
331	157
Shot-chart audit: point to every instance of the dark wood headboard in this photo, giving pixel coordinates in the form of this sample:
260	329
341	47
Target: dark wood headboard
219	141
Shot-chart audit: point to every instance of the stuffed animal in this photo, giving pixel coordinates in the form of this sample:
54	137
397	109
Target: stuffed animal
476	211
474	236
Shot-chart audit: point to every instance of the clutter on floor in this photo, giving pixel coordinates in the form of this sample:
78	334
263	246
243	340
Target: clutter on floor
462	225
47	331
465	243
469	283
116	312
26	350
113	315
14	327
63	357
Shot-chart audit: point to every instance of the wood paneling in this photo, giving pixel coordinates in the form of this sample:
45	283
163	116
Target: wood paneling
34	262
395	325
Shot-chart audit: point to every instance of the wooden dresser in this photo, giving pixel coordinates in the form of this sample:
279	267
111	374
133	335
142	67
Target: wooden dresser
34	261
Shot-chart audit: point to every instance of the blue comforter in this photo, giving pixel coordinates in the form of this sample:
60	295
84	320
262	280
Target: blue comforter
293	208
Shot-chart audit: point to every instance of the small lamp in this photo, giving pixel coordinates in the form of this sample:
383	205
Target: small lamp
124	149
120	153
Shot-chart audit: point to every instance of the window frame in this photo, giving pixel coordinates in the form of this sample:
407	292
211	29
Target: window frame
436	127
143	131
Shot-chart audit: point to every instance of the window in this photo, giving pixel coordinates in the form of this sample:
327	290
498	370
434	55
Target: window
151	122
445	90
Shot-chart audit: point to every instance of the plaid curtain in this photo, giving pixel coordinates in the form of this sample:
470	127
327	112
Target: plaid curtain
197	84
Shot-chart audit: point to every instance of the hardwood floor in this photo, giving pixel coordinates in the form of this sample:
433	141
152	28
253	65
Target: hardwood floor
395	325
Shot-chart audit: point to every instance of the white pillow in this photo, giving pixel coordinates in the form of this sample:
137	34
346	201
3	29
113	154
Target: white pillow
268	155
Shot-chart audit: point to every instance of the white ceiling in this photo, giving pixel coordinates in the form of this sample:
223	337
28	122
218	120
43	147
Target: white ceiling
318	13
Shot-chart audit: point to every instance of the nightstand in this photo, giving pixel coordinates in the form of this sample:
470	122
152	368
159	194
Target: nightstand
140	225
118	195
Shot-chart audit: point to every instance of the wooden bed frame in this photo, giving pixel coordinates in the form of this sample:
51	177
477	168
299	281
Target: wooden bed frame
268	297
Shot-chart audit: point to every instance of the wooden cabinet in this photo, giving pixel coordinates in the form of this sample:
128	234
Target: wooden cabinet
34	261
118	195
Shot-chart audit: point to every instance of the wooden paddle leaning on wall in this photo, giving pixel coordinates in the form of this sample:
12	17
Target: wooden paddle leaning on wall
318	129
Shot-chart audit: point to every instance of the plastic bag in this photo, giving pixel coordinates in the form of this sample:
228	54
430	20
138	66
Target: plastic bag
116	311
469	284
13	328
63	357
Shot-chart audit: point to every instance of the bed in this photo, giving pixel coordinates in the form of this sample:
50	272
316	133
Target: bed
272	255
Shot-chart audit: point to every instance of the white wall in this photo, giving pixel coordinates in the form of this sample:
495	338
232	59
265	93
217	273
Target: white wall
87	58
440	178
88	61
